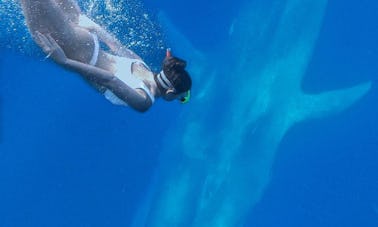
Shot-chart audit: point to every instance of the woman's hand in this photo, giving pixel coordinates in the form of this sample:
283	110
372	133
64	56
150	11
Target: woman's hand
51	47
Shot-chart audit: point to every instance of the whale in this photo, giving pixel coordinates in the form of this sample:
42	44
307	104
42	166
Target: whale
215	165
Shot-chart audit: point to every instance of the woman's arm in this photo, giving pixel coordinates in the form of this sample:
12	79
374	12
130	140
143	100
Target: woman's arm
136	98
110	40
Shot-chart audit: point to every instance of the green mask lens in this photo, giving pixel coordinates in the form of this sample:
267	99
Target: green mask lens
186	98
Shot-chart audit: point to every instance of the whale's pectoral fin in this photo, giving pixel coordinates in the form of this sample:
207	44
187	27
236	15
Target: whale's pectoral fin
327	103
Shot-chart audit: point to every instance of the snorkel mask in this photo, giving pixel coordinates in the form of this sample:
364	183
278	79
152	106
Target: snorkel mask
166	84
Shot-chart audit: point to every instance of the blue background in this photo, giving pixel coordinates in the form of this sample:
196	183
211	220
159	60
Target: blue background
70	158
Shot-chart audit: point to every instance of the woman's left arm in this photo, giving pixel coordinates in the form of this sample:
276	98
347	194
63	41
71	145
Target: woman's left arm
135	98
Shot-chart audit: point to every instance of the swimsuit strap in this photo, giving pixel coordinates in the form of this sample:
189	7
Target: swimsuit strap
148	92
96	50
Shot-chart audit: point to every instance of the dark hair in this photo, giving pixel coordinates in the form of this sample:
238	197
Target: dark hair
174	69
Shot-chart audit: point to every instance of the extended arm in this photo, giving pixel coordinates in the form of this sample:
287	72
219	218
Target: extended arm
112	42
135	98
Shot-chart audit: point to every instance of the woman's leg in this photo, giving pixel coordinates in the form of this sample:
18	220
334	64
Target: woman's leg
57	18
71	9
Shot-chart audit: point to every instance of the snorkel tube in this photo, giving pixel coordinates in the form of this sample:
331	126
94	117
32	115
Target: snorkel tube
168	53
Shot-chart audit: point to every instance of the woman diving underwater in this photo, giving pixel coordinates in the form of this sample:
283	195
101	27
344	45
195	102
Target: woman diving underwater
72	40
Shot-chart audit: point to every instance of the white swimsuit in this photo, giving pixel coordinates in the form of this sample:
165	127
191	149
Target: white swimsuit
123	72
96	50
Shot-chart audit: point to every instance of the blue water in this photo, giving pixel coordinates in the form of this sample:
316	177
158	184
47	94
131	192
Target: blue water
70	158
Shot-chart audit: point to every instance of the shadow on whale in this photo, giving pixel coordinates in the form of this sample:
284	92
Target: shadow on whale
216	165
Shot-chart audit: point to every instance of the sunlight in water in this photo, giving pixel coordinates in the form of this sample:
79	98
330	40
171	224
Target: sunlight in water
14	34
128	20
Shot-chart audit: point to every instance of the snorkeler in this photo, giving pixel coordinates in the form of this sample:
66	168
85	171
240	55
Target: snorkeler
72	40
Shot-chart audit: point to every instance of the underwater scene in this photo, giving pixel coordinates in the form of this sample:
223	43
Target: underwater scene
280	129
